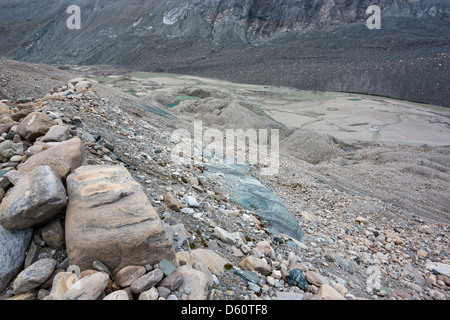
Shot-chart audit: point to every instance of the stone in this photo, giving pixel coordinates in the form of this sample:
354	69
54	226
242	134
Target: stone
212	260
173	281
195	282
441	268
190	259
33	254
9	149
189	211
13	176
87	288
297	278
151	294
344	264
147	281
266	249
4	128
224	235
316	278
82	86
281	295
73	82
64	158
166	266
126	276
34	125
307	216
56	133
252	263
361	220
21	114
17	158
109	218
117	295
248	275
53	234
34	276
327	292
99	266
191	201
172	202
163	292
36	199
177	233
12	253
23	297
4	109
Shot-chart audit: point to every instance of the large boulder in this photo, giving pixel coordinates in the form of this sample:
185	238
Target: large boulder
36	198
12	253
34	125
63	158
110	219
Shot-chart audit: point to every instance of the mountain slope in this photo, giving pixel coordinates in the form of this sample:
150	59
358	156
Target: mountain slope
308	44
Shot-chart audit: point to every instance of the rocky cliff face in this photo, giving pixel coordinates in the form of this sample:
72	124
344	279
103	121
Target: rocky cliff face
194	36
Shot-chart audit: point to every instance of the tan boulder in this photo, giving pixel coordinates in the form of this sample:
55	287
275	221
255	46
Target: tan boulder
110	219
63	158
34	125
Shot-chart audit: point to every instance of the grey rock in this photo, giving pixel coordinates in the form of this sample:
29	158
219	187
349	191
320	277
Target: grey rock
53	234
87	288
188	211
56	133
34	276
126	276
224	235
35	199
441	268
191	201
173	281
12	253
166	266
99	266
147	281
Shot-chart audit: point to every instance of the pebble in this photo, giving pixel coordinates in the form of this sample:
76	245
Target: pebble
117	295
225	236
191	201
297	278
326	292
87	288
151	294
126	276
147	281
33	276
